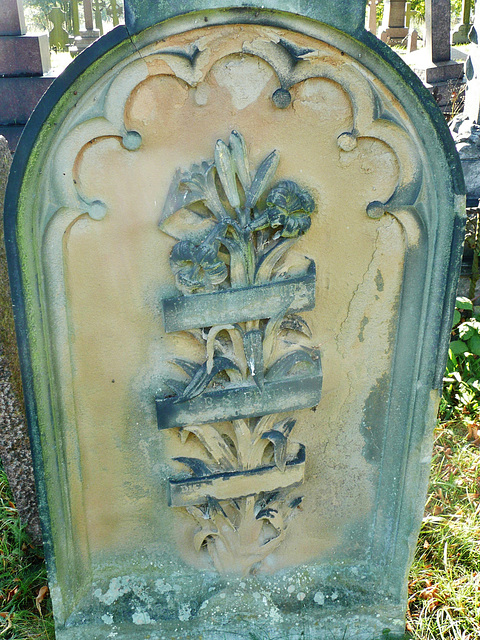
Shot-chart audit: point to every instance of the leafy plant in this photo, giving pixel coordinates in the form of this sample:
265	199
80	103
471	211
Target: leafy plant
461	395
25	611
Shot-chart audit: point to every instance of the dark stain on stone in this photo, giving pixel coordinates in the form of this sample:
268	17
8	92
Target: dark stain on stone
379	280
363	324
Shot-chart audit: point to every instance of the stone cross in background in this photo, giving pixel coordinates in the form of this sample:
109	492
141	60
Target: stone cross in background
24	67
460	35
58	37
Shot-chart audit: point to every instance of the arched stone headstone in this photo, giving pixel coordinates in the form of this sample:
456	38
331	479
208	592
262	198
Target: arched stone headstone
234	238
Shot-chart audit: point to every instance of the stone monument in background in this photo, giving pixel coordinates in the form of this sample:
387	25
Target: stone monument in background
232	427
466	126
24	70
433	63
394	30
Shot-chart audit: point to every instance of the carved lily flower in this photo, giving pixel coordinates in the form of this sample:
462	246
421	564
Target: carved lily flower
289	207
197	268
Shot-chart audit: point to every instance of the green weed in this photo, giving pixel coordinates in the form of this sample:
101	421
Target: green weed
25	611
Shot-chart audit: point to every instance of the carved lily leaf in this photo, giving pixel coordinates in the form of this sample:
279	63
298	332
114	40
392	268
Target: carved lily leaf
200	183
270	334
215	509
188	366
234	333
285	426
177	198
253	347
176	386
197	513
214	444
198	467
240	158
279	447
272	516
202	377
294	322
226	172
296	502
270	259
199	539
264	175
286	363
264	424
238	272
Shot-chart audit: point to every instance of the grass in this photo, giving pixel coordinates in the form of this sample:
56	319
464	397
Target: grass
25	611
444	589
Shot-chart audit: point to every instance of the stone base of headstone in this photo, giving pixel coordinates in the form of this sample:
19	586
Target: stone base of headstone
412	41
15	452
434	72
460	35
445	94
85	39
18	98
393	35
24	55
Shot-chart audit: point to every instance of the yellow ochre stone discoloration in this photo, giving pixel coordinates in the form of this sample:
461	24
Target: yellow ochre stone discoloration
117	271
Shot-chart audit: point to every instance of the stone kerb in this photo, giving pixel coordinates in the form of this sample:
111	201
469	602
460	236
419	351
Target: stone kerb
232	427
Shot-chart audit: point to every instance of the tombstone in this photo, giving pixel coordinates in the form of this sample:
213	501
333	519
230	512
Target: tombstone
460	35
412	41
466	126
433	64
24	70
58	37
372	16
232	427
393	25
85	38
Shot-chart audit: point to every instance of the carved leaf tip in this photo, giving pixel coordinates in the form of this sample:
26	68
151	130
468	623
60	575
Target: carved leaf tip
264	175
240	158
226	172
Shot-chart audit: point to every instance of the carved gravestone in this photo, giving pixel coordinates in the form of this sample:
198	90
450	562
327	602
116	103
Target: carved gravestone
234	240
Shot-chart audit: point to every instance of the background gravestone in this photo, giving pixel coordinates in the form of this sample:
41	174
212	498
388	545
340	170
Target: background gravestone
24	70
231	427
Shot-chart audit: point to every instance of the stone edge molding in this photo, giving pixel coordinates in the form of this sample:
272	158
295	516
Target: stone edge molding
415	390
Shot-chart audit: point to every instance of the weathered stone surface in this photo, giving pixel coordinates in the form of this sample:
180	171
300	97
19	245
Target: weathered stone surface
12	19
19	97
221	461
24	55
15	451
